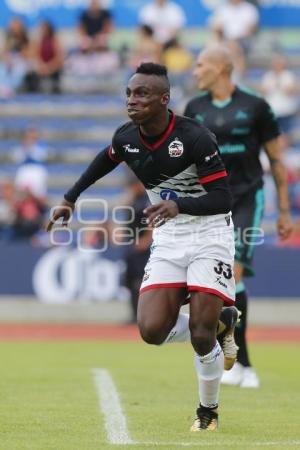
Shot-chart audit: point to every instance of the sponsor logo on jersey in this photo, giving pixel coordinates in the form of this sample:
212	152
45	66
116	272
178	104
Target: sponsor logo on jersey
200	117
240	131
240	115
175	148
229	148
167	194
209	157
129	149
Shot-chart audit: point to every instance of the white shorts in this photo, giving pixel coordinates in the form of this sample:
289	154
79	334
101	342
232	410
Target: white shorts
204	264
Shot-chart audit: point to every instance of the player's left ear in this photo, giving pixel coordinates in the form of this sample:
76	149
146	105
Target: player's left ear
165	98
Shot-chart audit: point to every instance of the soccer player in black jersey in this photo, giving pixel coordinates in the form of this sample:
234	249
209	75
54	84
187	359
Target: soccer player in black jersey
178	161
242	122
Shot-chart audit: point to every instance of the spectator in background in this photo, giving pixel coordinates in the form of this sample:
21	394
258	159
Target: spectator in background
16	38
166	18
235	23
146	48
279	85
95	60
30	149
95	26
177	58
25	201
48	59
236	20
15	58
31	175
7	209
138	253
179	61
30	211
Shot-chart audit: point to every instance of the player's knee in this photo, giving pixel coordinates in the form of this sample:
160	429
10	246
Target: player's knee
151	332
202	339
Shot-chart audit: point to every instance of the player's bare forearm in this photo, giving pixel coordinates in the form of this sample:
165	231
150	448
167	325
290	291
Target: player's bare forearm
284	222
279	174
280	178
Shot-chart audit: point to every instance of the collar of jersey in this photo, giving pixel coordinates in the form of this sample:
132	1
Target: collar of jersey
162	139
223	104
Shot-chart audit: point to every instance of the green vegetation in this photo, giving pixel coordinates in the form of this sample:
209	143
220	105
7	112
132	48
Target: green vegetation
49	400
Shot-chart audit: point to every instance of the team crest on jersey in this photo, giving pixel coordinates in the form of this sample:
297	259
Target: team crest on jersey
175	148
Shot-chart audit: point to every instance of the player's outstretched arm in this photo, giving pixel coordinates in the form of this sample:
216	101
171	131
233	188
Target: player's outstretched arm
99	167
64	210
284	221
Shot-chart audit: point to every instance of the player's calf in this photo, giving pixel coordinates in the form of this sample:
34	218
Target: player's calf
229	317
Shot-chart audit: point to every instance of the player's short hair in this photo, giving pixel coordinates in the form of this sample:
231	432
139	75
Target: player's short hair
150	68
158	70
220	53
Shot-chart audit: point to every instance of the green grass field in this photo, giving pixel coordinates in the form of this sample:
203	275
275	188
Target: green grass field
49	398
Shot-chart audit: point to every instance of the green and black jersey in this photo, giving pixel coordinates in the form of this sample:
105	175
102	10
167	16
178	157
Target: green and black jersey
242	125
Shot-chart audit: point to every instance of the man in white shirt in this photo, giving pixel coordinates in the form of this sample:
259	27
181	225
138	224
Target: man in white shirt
236	20
166	18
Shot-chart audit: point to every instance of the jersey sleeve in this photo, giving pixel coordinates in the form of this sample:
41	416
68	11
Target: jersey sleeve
206	156
101	165
266	122
115	151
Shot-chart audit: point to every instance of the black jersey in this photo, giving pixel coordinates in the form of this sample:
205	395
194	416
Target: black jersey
177	165
183	164
242	125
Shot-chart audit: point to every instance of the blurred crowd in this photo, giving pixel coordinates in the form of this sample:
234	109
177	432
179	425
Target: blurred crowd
38	60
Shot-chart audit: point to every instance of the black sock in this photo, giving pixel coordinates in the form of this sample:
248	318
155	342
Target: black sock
241	302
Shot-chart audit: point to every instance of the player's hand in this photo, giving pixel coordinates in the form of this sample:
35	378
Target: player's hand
284	225
159	213
64	210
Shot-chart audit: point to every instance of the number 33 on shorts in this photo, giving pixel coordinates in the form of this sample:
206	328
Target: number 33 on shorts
223	269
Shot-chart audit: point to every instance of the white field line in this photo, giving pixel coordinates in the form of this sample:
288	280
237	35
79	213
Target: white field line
116	427
223	444
110	405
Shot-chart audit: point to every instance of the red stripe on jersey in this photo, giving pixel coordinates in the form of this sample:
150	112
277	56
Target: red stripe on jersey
111	155
213	177
228	301
163	138
162	285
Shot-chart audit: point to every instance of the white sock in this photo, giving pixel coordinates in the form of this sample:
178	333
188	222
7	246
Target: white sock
181	331
209	370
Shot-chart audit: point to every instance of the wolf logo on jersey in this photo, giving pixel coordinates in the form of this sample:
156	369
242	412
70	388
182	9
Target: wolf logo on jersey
175	148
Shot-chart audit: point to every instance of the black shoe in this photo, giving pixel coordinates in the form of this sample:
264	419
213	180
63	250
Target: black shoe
206	419
229	317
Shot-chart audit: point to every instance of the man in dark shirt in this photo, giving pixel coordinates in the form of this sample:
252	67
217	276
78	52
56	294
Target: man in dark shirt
178	162
95	24
242	122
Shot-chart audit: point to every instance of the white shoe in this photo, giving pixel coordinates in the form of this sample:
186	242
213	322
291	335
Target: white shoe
249	379
234	376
